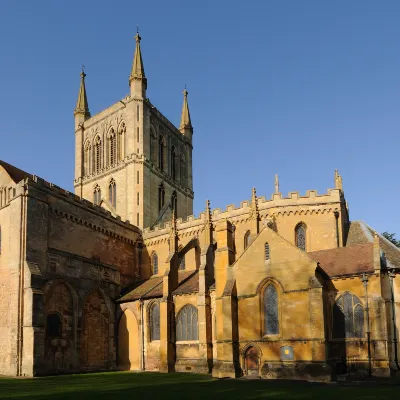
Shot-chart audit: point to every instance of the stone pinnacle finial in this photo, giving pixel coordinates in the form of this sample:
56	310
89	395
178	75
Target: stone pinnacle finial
137	66
338	180
276	183
186	122
82	106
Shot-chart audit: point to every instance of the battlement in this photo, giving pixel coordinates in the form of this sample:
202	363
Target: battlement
42	184
277	201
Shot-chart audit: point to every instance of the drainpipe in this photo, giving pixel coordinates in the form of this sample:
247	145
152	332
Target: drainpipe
395	341
142	317
336	213
364	280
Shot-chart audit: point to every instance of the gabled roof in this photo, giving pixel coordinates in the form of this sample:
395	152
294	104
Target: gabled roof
342	261
360	232
16	174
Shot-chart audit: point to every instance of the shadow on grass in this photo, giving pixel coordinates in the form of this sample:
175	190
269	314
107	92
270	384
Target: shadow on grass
180	386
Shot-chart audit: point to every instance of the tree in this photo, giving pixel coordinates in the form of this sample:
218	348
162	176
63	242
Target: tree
391	238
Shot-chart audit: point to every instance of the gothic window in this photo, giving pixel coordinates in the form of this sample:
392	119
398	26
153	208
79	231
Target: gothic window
121	141
112	148
246	240
183	170
154	262
86	159
187	324
97	195
173	163
348	317
301	236
271	317
161	153
161	197
267	251
112	193
182	264
53	326
97	154
174	203
155	322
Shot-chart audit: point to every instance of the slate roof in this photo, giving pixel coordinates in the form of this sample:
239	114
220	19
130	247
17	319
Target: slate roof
16	174
360	232
342	261
188	282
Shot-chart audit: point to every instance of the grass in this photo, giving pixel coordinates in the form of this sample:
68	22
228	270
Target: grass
153	386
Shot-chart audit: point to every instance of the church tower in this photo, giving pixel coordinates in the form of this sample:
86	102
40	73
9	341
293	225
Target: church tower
130	159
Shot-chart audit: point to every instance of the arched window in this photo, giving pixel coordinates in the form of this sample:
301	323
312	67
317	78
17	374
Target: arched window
161	153
155	322
97	154
97	195
183	170
301	236
348	317
173	163
174	203
161	197
182	264
187	324
267	251
86	159
112	193
121	141
271	315
246	240
112	148
53	325
154	262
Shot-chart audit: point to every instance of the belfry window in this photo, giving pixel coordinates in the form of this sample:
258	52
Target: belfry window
112	193
161	197
155	322
97	164
301	236
112	151
154	262
183	171
271	315
348	317
187	324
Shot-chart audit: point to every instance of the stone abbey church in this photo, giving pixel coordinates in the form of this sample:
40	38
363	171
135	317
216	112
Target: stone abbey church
120	275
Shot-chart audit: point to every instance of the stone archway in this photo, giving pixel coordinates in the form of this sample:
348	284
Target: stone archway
128	342
251	361
95	352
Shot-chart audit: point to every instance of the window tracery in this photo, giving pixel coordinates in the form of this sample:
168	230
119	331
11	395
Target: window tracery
271	314
187	324
348	317
301	236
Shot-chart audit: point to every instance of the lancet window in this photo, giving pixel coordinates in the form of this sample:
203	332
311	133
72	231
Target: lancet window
348	317
301	236
155	322
187	324
271	313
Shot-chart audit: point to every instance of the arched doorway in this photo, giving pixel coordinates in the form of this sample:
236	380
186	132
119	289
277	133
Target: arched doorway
128	342
251	360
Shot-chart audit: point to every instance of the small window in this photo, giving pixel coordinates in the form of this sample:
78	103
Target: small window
182	264
267	252
161	154
187	324
137	134
246	240
155	322
137	112
154	262
138	197
301	236
137	219
53	326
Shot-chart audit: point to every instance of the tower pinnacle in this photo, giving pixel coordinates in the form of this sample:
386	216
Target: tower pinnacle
82	106
137	78
186	123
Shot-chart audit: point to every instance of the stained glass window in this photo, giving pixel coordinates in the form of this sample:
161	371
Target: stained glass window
187	324
267	253
271	317
155	263
246	240
155	322
301	237
348	317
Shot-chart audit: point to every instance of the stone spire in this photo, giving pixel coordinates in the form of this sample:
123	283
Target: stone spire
82	106
338	180
276	183
137	78
186	124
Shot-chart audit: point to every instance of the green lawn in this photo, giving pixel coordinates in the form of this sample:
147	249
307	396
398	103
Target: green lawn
153	386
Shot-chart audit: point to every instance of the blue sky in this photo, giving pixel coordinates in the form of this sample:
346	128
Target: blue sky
297	88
